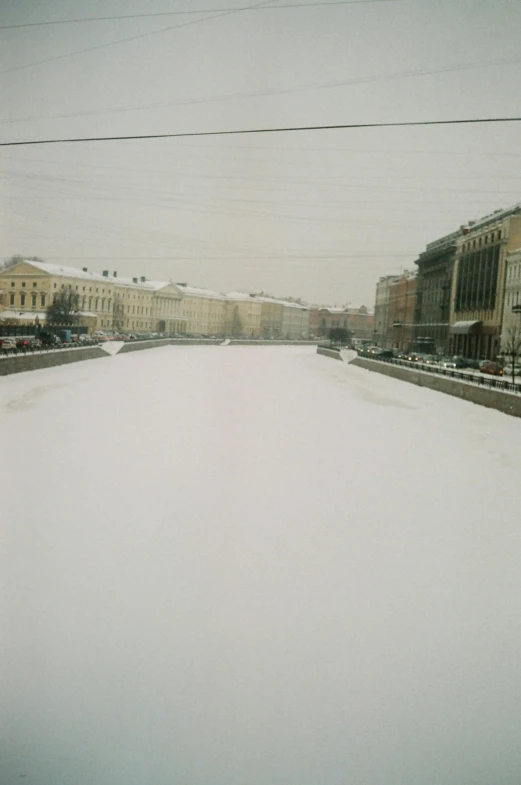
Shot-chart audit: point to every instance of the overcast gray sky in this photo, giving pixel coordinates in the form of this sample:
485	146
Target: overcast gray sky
319	215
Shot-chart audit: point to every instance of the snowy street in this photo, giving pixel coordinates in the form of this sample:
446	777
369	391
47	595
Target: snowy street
256	566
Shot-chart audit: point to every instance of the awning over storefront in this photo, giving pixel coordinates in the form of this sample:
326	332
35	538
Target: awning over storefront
464	328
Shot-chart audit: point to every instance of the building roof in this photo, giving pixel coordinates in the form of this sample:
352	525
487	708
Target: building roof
67	272
286	303
195	291
240	296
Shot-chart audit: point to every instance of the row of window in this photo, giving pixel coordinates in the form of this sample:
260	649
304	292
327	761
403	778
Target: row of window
23	298
514	272
476	243
55	286
476	286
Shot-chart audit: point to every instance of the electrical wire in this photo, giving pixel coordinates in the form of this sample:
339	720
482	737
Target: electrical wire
267	93
250	131
133	38
186	12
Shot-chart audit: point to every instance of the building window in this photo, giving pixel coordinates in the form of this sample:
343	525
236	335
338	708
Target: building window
23	284
42	300
12	284
54	286
22	300
11	299
33	298
83	289
34	285
102	303
499	235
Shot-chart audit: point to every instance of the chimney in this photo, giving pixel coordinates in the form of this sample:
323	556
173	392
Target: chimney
143	279
134	280
85	270
105	273
115	274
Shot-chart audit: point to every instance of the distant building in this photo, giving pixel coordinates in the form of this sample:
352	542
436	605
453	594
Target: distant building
381	310
282	318
478	285
402	301
360	323
331	316
243	315
433	290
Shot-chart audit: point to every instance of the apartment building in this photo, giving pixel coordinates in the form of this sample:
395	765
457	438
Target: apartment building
478	285
204	310
433	291
511	326
381	310
400	318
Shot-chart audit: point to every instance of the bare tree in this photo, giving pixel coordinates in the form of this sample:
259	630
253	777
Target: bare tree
512	347
64	308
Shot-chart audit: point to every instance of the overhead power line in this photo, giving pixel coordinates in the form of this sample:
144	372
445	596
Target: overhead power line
227	12
189	12
251	131
266	93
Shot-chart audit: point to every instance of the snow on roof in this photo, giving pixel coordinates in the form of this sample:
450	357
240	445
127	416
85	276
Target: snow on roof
194	291
240	296
22	316
281	302
68	272
498	215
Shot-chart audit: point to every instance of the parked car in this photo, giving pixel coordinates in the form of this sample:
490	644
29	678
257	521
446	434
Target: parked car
492	368
8	344
430	359
447	362
461	362
382	353
34	343
21	344
414	358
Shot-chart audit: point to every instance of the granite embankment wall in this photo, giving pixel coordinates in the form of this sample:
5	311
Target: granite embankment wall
493	399
334	353
34	362
38	360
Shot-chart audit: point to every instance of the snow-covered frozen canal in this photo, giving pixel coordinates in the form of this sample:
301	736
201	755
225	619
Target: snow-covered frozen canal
256	566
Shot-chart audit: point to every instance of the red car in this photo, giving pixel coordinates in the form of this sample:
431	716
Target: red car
493	368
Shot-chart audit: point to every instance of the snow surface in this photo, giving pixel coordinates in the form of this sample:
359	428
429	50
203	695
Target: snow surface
256	566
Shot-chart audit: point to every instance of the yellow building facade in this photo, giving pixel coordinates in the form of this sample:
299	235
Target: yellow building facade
105	302
243	315
204	310
31	286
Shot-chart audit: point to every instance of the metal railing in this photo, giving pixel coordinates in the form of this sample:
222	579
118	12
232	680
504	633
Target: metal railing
478	379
